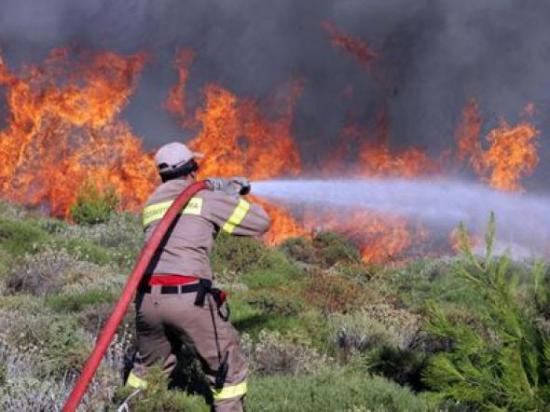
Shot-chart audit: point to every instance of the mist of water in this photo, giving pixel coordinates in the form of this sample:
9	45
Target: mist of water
523	221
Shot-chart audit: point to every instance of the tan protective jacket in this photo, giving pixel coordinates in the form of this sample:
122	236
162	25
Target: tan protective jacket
189	244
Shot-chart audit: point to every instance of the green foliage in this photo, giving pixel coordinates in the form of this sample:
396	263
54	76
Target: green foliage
333	248
57	343
331	390
326	249
239	254
504	365
335	293
299	249
276	354
93	206
20	237
404	366
75	302
158	398
83	249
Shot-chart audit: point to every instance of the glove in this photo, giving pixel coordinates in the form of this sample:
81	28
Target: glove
243	184
233	187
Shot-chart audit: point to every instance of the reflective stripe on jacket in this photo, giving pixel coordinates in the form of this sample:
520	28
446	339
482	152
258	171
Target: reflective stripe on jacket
190	242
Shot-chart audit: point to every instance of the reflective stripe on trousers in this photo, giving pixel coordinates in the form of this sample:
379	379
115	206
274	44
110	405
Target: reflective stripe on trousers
228	392
136	382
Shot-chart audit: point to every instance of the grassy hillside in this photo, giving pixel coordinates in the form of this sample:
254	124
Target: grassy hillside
322	330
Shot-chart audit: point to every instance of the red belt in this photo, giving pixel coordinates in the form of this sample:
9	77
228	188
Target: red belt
171	280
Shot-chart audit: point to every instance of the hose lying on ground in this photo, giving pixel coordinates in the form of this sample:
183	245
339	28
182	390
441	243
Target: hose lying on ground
108	331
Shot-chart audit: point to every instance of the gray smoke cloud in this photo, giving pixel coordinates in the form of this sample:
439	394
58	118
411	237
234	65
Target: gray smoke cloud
433	56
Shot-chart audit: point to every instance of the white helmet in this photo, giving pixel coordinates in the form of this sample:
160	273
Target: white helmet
172	156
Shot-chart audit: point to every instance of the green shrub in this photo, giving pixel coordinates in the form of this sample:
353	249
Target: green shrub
299	249
57	343
373	326
83	249
335	293
20	237
505	364
54	270
404	366
93	206
238	254
274	353
331	390
333	248
157	396
281	304
76	302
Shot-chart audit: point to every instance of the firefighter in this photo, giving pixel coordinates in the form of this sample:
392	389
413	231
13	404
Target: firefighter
176	304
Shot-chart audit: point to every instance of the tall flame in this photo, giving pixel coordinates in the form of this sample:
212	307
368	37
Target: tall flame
512	152
63	130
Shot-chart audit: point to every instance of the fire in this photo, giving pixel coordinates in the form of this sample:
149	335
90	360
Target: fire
512	152
381	237
240	140
354	46
283	225
372	157
512	155
237	136
63	130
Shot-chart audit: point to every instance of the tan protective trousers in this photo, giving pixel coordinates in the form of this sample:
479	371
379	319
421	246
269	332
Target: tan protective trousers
166	321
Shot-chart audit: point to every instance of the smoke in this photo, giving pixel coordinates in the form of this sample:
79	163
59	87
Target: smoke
523	222
432	57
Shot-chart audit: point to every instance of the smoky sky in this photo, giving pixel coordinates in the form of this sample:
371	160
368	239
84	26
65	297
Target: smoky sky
433	56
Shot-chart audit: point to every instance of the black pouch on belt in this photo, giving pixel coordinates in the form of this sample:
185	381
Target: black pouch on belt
205	286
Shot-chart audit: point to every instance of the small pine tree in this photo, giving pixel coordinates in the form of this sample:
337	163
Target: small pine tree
505	364
93	206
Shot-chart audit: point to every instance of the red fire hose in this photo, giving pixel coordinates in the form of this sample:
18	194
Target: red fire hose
121	306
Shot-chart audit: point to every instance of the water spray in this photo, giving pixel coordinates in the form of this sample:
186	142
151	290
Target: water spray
523	221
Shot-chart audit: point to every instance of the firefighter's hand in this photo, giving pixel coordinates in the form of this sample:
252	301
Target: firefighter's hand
242	183
233	187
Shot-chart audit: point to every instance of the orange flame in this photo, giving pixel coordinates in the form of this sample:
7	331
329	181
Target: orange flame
512	152
240	140
63	130
511	156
